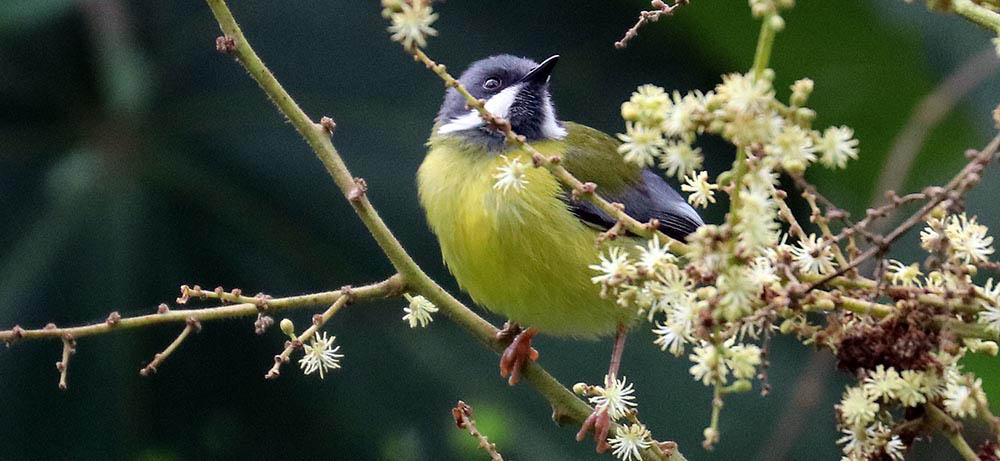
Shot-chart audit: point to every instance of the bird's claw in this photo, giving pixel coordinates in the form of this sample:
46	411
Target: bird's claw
517	353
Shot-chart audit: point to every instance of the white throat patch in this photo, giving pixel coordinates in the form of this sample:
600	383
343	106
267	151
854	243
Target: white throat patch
499	105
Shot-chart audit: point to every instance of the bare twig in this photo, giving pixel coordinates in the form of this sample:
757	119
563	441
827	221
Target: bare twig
318	321
659	9
463	419
927	115
389	287
192	325
69	348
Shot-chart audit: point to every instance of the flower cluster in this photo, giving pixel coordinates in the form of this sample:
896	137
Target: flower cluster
865	412
760	268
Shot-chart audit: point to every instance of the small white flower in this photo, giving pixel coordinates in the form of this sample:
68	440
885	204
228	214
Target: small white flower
511	174
320	355
960	400
616	398
857	408
895	448
883	383
615	268
654	256
911	392
793	148
904	275
853	446
419	311
738	292
744	94
641	144
701	190
411	25
743	359
671	336
709	365
837	147
680	159
628	441
813	256
968	239
680	119
990	315
762	273
648	105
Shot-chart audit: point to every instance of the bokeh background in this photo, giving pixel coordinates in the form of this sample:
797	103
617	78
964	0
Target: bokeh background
134	158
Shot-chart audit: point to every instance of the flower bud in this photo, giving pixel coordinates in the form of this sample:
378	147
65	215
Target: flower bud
287	327
801	90
580	388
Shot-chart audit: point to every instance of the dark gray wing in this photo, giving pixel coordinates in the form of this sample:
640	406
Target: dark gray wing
648	199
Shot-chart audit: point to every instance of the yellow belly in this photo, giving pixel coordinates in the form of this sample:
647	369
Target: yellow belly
521	254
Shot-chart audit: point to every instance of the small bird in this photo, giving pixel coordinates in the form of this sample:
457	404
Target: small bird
524	251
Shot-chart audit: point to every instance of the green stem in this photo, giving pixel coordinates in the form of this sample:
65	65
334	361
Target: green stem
765	41
978	14
388	287
950	429
566	405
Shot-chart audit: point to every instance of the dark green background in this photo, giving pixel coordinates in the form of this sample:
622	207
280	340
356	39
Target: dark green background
134	159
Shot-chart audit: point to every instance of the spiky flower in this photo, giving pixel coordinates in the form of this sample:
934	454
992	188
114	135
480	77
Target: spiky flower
512	174
320	355
901	274
702	191
857	408
411	24
968	239
813	256
883	383
709	365
641	144
628	441
837	146
680	159
419	311
615	397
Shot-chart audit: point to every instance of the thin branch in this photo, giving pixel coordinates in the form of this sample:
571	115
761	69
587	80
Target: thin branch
927	115
646	17
389	287
962	181
951	430
978	14
69	348
567	408
318	321
463	419
192	325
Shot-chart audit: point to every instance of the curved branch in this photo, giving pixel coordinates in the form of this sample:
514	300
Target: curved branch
566	406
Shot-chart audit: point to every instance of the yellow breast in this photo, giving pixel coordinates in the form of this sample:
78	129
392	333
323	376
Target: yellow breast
522	253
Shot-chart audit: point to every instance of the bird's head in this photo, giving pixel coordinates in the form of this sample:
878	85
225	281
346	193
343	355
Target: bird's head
516	89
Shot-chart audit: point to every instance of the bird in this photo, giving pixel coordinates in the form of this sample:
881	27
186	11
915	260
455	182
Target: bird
524	252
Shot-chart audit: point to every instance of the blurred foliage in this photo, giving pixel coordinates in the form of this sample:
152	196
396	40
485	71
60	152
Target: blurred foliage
134	158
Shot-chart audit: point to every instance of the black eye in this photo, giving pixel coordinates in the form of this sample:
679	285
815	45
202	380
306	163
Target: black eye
491	84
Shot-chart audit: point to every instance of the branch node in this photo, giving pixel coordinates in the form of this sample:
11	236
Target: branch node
114	319
328	124
162	308
225	44
358	191
262	323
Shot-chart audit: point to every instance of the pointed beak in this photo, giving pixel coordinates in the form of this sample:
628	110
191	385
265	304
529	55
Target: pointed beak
540	74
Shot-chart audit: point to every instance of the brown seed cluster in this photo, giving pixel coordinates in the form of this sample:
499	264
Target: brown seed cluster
904	342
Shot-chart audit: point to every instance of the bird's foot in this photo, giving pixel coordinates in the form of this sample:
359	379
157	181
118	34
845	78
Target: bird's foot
518	353
600	422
